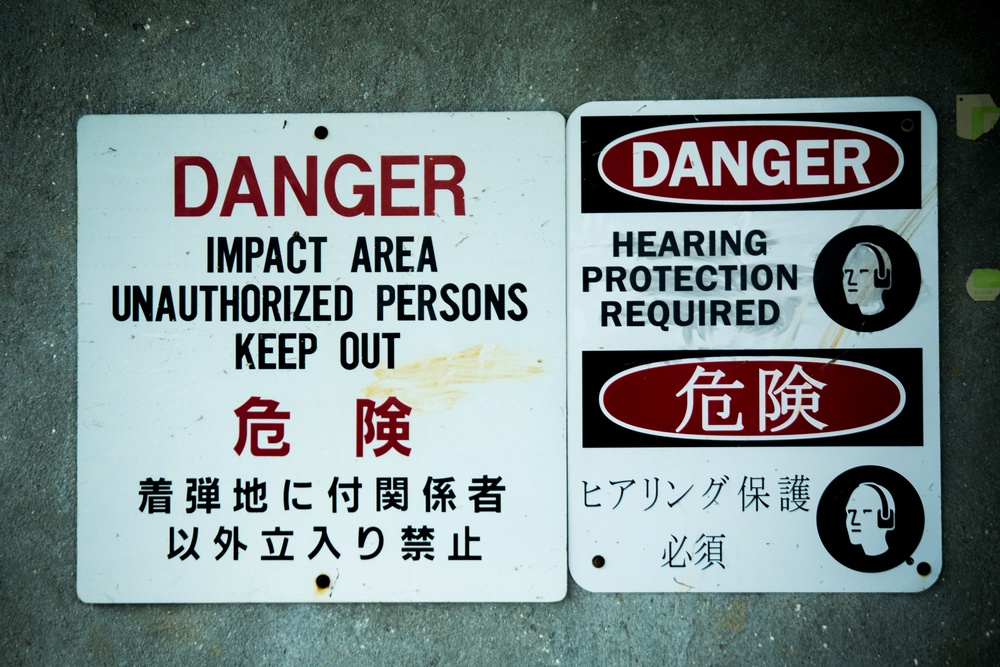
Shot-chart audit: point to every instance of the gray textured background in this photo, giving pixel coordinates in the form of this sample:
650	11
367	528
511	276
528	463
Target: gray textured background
62	60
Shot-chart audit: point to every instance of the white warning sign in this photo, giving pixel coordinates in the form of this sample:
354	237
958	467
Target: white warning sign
321	358
753	346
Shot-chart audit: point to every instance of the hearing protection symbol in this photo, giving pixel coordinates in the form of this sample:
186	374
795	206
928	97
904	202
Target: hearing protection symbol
870	519
867	274
867	278
871	514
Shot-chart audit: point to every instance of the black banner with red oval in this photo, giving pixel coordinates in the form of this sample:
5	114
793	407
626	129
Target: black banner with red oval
865	160
753	398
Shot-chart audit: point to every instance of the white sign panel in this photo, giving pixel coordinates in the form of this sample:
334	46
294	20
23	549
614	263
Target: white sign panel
753	346
321	358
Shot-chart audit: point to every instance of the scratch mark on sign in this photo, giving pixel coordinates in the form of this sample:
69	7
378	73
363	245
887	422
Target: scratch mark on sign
333	584
797	316
832	336
689	587
912	222
434	384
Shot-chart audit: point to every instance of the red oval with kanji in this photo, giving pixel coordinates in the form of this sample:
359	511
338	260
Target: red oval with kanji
753	398
751	162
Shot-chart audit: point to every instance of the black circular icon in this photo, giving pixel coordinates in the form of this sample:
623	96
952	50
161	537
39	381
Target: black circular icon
870	519
867	278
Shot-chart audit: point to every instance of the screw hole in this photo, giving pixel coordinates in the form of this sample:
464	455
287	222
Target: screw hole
321	132
322	581
923	569
598	561
906	125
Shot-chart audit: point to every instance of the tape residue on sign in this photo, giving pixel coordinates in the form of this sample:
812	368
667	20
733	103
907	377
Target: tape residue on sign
983	284
975	115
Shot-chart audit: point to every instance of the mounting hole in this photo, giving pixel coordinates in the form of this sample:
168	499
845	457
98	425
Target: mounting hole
598	561
322	581
321	132
923	569
906	125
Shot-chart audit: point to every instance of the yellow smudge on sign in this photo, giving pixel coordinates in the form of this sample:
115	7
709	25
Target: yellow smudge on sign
433	384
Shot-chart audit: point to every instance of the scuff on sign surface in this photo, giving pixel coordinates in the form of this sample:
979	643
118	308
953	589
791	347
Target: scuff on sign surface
753	352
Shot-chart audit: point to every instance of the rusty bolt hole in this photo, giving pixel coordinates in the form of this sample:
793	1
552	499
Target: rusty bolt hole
906	125
322	581
598	561
321	132
923	569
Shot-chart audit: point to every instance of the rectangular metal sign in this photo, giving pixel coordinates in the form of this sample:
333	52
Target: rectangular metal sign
321	358
753	346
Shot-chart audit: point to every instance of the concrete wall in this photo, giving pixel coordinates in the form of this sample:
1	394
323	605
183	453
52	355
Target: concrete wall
65	59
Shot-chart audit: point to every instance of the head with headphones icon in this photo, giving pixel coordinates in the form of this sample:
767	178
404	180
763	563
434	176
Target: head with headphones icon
867	273
871	513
